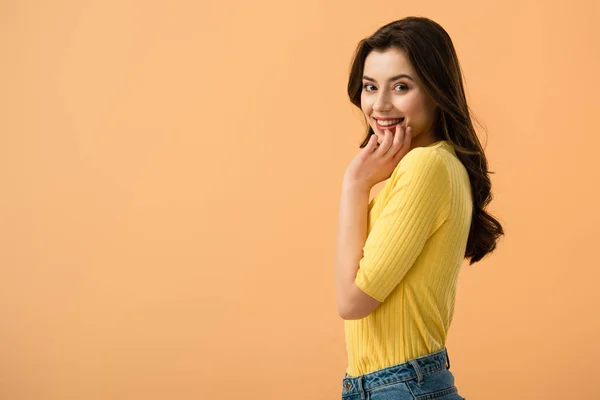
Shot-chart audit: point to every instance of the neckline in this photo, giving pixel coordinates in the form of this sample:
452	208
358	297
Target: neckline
442	143
439	142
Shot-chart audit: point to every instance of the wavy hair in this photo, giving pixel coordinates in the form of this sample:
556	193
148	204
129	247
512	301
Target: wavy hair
433	57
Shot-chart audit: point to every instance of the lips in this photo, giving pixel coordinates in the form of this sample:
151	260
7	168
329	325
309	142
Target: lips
388	127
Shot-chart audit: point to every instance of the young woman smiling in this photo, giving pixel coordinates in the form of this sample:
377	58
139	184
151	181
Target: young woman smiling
398	256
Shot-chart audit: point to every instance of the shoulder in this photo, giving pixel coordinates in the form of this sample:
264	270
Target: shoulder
424	162
421	184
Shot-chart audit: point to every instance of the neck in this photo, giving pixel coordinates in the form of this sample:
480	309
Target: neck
423	140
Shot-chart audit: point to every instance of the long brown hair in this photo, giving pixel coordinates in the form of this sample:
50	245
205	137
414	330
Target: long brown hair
431	52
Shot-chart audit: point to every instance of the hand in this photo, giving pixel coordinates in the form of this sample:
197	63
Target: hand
375	164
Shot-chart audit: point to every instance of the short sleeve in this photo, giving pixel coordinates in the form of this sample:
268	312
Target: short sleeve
418	203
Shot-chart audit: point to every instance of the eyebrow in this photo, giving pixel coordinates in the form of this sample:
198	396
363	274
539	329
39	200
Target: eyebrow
393	78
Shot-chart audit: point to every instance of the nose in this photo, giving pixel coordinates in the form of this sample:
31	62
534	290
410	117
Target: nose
382	104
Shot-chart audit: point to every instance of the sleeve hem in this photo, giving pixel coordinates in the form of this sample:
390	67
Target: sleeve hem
360	285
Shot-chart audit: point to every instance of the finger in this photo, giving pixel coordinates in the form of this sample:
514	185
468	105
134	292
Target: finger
407	137
399	133
371	144
386	143
401	148
381	146
397	140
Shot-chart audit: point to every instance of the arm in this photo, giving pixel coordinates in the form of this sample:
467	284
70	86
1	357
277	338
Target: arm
352	302
417	205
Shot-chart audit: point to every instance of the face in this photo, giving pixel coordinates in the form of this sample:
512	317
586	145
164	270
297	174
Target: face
391	89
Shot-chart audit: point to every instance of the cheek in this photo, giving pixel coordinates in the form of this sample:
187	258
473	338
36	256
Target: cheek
410	105
417	113
365	105
418	123
367	111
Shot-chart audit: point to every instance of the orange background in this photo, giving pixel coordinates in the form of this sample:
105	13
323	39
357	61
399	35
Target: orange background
170	183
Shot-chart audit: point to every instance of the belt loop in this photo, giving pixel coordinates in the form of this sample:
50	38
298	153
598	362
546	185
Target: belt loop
363	396
447	359
418	371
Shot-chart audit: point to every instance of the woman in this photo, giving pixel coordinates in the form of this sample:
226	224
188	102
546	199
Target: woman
398	256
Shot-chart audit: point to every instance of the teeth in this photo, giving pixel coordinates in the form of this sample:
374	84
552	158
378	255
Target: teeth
389	123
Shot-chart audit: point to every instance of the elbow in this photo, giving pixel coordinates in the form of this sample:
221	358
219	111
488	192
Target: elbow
348	313
344	312
357	305
341	311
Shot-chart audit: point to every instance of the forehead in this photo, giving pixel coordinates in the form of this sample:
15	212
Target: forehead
387	63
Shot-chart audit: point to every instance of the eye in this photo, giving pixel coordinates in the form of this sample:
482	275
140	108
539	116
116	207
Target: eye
403	87
365	86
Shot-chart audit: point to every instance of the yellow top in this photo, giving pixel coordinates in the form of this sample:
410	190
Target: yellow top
418	226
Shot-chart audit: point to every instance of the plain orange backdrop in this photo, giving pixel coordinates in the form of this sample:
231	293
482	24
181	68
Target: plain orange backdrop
171	177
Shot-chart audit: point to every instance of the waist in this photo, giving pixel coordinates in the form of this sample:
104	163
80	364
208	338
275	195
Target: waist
411	369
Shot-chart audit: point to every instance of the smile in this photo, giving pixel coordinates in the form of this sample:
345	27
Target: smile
386	124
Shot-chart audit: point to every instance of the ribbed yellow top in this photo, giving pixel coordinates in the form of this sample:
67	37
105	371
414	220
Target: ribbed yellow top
418	226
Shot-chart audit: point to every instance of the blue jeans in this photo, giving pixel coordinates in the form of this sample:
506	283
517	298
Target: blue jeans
426	377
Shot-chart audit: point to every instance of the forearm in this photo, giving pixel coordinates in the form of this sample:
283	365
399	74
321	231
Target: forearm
351	237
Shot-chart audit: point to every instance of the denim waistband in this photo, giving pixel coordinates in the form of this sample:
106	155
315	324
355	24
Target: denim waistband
415	368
